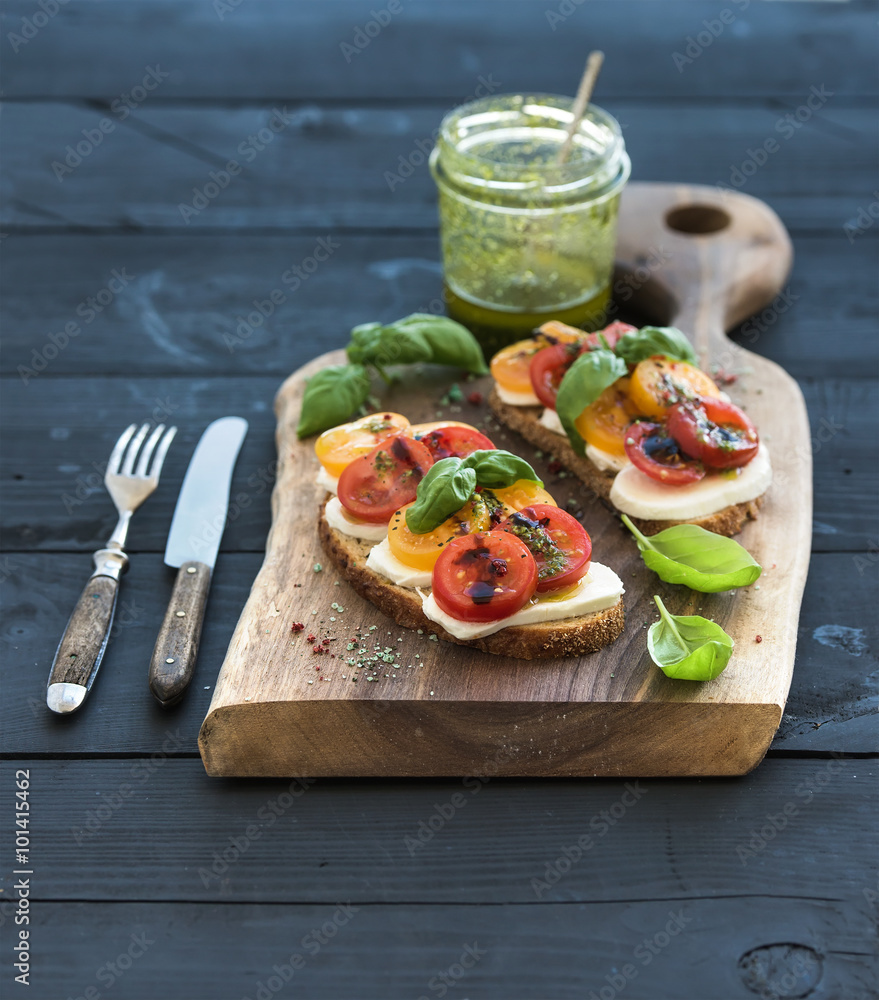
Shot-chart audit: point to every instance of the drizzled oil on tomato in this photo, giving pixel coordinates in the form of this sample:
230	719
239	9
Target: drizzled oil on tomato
373	486
657	383
650	449
453	440
484	577
717	433
561	546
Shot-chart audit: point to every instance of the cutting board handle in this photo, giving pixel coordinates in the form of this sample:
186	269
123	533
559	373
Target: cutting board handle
707	257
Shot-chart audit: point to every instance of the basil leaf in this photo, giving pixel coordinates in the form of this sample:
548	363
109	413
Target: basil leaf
688	647
331	397
449	342
649	340
696	558
497	468
374	344
584	382
364	342
450	483
445	489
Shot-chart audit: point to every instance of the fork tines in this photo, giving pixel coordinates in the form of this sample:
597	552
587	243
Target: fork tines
157	446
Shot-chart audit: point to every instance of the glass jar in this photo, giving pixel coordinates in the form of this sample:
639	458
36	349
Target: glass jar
525	239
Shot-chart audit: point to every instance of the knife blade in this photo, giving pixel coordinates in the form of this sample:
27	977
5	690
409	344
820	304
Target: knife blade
193	543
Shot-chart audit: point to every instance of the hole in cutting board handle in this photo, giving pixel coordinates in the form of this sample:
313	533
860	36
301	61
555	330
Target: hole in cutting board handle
697	220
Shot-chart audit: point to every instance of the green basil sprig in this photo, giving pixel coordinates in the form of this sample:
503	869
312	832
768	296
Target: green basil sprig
331	397
696	558
584	382
688	647
336	393
450	483
649	340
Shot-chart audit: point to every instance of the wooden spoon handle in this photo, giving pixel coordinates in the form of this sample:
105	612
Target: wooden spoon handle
173	662
85	639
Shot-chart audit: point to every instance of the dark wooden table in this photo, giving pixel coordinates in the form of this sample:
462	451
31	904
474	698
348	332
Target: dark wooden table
150	880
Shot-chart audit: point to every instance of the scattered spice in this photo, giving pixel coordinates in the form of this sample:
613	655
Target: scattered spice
475	398
759	638
297	627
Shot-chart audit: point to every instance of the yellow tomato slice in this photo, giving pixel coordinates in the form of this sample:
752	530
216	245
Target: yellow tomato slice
522	494
658	383
339	446
422	551
603	423
510	367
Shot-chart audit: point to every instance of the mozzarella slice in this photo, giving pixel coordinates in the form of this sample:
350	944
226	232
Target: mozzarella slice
516	398
605	460
382	561
329	483
637	494
601	588
339	518
550	420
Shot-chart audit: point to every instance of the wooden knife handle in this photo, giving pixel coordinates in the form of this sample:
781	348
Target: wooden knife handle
85	639
174	657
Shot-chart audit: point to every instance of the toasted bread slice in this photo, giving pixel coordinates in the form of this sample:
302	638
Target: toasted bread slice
525	420
566	637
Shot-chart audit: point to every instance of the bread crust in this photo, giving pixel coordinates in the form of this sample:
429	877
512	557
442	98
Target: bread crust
525	420
567	637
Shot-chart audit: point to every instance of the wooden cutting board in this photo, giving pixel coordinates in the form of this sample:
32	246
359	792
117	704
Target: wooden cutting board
702	259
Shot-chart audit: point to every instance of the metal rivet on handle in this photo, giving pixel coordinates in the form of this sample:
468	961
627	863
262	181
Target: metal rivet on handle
190	569
181	614
170	659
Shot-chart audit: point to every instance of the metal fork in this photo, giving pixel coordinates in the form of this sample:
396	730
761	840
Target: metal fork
85	639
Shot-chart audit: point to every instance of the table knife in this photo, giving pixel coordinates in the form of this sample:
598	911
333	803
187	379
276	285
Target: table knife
193	543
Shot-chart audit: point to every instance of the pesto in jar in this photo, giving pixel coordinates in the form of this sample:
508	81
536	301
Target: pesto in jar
525	239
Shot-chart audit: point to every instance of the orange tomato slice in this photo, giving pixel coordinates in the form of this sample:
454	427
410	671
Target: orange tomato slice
658	383
510	367
339	446
521	494
603	423
422	551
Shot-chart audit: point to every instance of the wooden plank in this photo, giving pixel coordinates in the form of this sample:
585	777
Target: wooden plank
336	950
451	706
362	166
431	50
477	841
171	319
831	706
52	497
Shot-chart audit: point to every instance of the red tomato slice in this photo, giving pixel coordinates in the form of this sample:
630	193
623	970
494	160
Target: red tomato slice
456	440
717	433
561	546
484	577
649	447
548	368
549	365
373	486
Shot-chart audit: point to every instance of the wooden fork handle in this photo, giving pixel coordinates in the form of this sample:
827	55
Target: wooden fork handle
85	639
174	657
